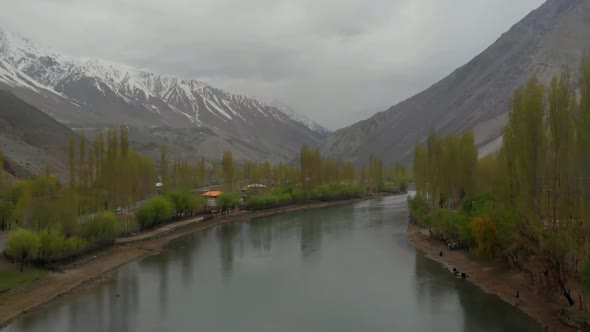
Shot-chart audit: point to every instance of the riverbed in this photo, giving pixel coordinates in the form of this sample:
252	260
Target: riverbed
341	268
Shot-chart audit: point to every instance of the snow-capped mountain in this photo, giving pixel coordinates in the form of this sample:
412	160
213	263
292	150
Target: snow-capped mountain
96	92
312	125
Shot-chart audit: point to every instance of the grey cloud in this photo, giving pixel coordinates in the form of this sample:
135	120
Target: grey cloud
332	60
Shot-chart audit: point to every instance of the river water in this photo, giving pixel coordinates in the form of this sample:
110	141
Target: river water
342	268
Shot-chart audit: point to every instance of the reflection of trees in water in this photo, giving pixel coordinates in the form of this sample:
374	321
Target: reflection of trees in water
310	236
185	254
431	285
163	282
481	311
261	233
484	312
123	308
314	224
226	235
92	310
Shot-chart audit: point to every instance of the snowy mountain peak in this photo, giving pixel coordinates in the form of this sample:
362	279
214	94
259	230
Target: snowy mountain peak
116	93
297	117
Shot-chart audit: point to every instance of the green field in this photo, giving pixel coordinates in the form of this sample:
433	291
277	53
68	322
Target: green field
13	278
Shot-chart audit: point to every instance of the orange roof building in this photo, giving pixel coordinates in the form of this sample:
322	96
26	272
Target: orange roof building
212	194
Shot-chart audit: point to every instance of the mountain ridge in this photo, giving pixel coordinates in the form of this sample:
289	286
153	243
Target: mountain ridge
476	95
31	139
95	92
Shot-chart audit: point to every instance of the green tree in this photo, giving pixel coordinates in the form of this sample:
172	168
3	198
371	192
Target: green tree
23	245
72	162
164	165
124	141
227	165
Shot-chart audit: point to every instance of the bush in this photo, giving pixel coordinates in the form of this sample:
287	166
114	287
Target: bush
154	211
403	185
185	203
475	205
228	201
333	192
52	246
420	210
264	202
73	246
282	197
101	229
23	245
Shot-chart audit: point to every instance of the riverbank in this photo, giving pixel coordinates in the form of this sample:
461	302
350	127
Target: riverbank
493	278
93	268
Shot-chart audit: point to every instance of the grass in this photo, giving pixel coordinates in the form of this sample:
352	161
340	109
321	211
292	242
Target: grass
12	278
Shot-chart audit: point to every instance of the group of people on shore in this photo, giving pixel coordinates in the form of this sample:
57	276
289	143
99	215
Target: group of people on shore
455	271
464	276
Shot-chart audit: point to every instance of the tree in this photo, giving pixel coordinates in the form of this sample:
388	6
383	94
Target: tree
376	174
124	141
227	166
228	201
201	172
23	245
524	144
72	162
82	178
164	164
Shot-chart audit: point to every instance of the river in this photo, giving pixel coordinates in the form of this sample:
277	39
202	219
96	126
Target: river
342	268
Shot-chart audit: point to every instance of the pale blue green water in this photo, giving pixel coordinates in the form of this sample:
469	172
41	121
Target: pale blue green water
344	268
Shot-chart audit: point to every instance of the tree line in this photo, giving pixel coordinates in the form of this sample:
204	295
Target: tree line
111	191
526	204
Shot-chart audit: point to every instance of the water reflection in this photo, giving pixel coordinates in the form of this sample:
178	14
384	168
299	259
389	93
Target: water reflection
345	268
226	238
437	288
310	237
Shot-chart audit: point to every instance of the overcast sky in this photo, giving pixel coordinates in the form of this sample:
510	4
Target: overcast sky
335	61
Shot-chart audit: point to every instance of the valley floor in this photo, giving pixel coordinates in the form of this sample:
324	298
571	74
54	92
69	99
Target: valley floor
101	265
493	278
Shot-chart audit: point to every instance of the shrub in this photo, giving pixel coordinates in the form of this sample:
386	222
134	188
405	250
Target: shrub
52	246
73	246
23	245
263	202
228	201
154	211
332	192
101	229
420	210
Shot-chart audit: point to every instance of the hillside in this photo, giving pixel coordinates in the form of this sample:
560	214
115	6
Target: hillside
95	93
30	139
477	95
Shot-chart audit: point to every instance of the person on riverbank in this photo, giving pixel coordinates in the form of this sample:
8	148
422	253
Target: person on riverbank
517	297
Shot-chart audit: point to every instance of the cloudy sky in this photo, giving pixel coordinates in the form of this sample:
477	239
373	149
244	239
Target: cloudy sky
335	61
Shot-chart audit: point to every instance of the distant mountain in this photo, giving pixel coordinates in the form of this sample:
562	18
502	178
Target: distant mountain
96	93
312	125
30	139
547	41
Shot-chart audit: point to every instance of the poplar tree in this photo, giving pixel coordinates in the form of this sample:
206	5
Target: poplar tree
227	166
